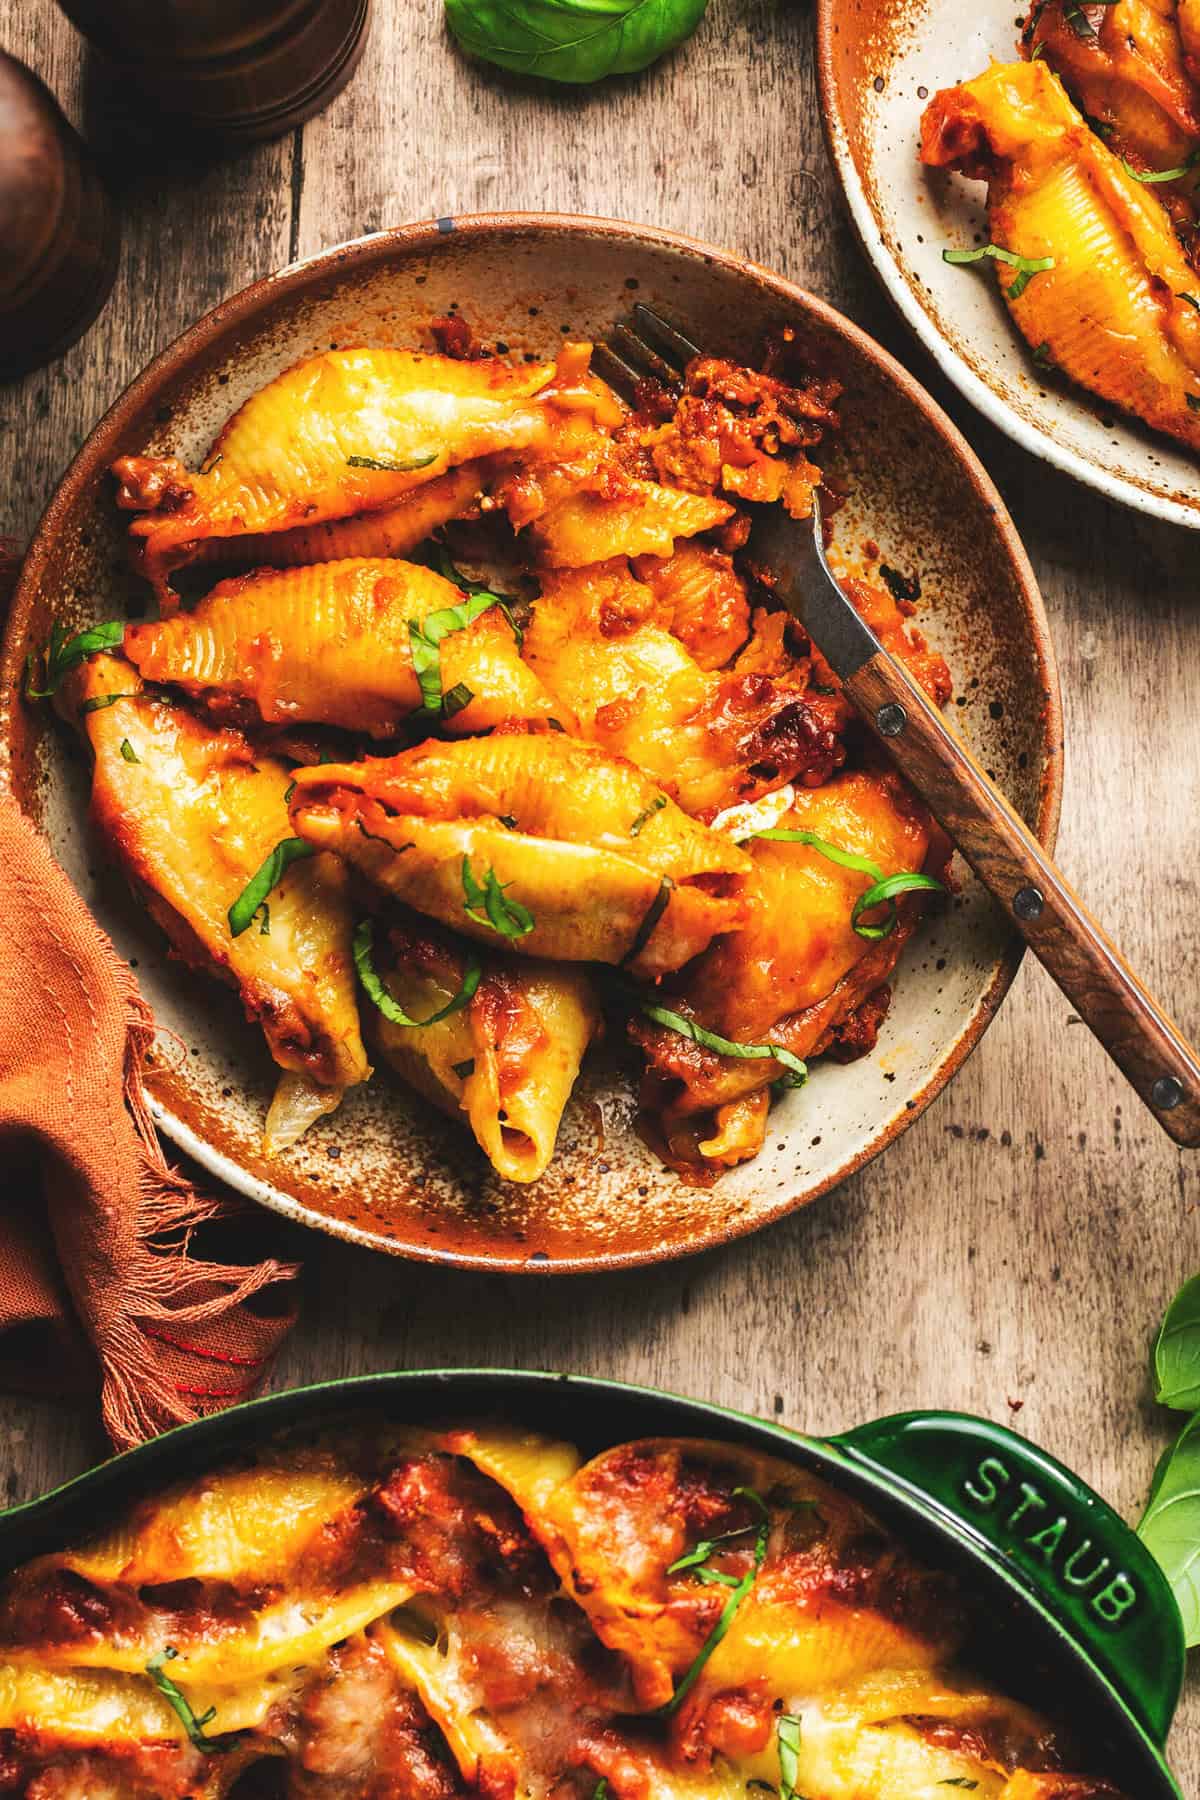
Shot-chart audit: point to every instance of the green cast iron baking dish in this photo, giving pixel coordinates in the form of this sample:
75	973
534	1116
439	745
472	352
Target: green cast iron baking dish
1080	1620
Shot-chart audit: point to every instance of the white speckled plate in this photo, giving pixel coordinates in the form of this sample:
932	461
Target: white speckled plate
879	61
386	1170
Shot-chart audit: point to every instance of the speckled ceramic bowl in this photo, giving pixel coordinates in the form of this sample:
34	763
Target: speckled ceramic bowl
878	62
386	1170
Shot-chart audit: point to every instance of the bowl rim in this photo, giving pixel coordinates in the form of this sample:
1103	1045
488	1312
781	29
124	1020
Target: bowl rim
1034	440
378	248
173	1453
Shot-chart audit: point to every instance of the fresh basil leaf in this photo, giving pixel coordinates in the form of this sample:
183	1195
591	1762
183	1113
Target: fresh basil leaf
100	701
1170	1526
285	853
1156	175
264	929
128	751
455	698
375	990
906	881
1191	300
1042	356
1029	266
425	639
508	917
63	653
648	812
650	918
797	1071
392	468
788	1735
958	1781
572	40
181	1706
738	1592
600	1791
1077	19
1177	1352
701	1551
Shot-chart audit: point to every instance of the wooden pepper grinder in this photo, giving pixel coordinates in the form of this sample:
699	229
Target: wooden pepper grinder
234	69
59	234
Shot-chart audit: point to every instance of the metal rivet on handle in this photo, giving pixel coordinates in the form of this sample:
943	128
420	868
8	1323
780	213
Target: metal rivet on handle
1166	1092
891	719
1028	902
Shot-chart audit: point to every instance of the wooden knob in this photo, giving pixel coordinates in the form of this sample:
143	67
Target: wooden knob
57	224
234	69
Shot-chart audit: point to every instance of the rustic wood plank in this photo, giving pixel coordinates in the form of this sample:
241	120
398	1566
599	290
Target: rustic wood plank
1012	1254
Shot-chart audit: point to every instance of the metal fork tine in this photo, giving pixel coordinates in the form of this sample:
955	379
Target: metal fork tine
664	336
616	371
640	353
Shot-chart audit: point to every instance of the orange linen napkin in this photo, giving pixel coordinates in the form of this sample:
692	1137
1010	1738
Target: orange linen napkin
98	1280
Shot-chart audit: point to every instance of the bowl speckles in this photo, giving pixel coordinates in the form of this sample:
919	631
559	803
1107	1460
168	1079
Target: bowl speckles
386	1170
878	62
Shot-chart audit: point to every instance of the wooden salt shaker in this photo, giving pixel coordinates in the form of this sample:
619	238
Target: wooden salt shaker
239	70
59	234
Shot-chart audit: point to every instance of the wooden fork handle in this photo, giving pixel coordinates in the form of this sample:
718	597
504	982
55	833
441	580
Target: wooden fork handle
1007	858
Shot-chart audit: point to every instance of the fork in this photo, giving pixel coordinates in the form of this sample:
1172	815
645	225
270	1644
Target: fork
1034	896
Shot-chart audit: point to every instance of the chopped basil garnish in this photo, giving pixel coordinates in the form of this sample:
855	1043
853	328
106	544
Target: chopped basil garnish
1191	300
647	813
797	1072
788	1734
600	1791
128	751
508	917
455	699
252	896
1077	19
1029	266
739	1588
1156	175
179	1703
375	990
425	639
701	1551
883	889
1042	356
650	918
959	1781
100	701
392	468
63	653
508	822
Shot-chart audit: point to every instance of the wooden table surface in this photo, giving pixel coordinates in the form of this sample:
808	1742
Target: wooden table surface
1012	1254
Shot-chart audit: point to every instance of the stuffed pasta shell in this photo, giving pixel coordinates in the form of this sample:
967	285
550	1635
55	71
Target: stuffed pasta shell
506	1061
1100	286
191	812
346	432
797	972
533	840
337	644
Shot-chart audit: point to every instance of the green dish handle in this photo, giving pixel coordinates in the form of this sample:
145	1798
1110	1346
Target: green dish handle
1046	1527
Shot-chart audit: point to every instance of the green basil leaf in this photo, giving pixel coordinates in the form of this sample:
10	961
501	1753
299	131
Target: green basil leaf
845	859
797	1071
179	1703
1170	1526
425	640
1191	300
1042	356
788	1734
958	1781
508	917
285	853
701	1552
648	812
100	701
650	918
1029	266
375	990
1177	1352
63	653
738	1592
128	751
392	468
906	881
572	40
